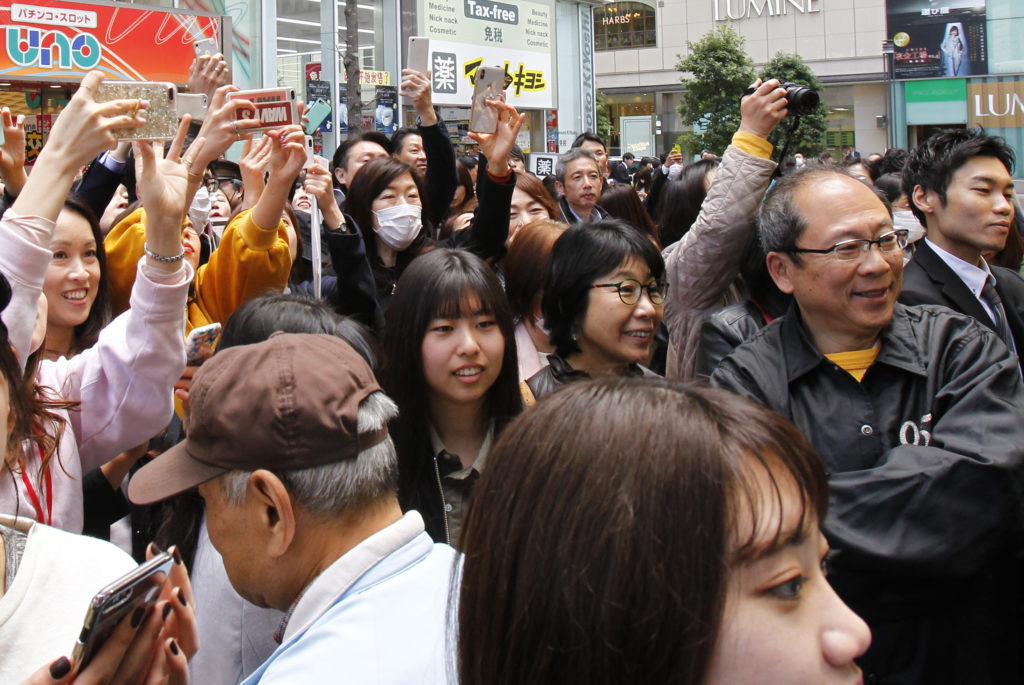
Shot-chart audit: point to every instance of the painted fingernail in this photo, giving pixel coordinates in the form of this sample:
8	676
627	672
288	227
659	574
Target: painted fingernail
60	668
137	616
176	554
181	597
166	612
174	647
153	549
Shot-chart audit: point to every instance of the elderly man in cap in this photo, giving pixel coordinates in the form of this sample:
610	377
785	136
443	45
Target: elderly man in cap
288	445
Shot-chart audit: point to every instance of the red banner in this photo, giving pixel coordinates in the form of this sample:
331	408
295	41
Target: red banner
48	40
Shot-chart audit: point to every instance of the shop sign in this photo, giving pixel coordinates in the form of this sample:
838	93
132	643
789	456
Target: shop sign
366	78
464	34
453	72
734	10
55	40
995	104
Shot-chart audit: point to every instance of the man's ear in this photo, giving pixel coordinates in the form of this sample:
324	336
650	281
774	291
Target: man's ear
339	175
780	267
923	199
271	511
560	188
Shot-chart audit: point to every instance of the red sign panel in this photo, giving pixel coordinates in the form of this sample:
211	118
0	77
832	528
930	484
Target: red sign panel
59	40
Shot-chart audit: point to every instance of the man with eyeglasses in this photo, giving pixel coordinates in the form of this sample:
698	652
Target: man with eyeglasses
917	415
961	190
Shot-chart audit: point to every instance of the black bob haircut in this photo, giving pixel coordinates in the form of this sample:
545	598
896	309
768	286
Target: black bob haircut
932	164
584	253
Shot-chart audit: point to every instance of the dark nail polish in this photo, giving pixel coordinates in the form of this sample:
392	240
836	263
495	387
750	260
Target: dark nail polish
166	613
60	668
154	549
176	554
181	597
174	647
137	616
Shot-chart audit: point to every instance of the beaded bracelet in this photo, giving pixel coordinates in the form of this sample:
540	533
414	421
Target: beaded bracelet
163	258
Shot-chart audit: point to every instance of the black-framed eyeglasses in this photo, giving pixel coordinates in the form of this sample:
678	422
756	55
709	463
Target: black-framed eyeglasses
892	242
630	289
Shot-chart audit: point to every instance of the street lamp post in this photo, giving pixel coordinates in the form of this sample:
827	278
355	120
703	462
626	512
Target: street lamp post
888	53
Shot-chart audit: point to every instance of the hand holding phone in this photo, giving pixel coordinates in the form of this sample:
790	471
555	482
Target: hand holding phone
160	113
129	596
204	335
489	84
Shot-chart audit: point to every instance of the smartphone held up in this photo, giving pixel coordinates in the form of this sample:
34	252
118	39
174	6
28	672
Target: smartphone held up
490	83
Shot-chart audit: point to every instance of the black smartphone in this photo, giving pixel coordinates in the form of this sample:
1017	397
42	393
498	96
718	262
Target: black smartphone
137	588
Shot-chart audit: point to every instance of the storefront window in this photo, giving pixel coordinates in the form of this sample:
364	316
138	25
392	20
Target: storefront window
625	25
299	38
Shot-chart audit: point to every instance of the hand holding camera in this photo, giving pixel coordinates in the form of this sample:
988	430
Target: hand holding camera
763	106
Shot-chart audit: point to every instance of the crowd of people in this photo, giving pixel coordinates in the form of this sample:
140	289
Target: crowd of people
612	426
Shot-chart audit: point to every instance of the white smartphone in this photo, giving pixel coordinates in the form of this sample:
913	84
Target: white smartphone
418	57
193	104
489	83
206	47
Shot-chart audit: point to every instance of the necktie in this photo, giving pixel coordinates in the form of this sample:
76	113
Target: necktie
995	303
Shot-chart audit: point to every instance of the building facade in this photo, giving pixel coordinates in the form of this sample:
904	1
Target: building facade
947	63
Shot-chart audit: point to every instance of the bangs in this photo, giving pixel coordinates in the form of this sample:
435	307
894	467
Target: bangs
455	294
772	506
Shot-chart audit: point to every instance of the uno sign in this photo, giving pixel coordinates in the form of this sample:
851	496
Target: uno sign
32	47
62	40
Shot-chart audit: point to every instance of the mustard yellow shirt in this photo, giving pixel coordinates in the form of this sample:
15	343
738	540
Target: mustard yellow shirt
249	261
856	363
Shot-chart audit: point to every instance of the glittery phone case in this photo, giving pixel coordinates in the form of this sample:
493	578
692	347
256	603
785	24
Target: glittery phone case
161	116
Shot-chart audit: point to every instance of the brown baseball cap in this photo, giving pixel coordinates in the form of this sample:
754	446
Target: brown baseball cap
289	402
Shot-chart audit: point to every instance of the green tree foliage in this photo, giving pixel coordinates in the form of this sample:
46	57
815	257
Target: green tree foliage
810	136
604	122
720	70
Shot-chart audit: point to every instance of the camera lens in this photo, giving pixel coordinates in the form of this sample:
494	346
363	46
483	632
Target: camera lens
800	100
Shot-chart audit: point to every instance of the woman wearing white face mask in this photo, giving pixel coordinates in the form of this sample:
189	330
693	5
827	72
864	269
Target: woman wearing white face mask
386	205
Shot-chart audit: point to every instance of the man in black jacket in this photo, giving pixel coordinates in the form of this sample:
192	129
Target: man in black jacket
961	190
916	413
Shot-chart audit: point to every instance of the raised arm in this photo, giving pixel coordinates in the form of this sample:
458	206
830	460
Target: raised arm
496	182
124	382
442	179
703	264
83	129
356	291
12	154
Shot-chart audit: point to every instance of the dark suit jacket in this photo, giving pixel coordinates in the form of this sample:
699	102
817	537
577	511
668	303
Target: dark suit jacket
929	280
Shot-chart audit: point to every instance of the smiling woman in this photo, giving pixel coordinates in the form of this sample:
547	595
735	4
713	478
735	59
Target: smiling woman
75	284
603	302
450	365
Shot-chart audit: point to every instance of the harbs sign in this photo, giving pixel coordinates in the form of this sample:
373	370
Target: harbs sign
50	39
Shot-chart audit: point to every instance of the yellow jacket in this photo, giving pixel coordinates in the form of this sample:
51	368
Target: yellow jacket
249	261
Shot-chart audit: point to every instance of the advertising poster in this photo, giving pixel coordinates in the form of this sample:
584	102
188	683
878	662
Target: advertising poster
938	38
320	90
48	39
387	103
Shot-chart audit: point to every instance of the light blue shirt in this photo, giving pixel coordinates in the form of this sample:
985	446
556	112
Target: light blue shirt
376	615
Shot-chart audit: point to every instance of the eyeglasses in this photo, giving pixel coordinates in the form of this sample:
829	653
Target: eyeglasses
892	242
629	290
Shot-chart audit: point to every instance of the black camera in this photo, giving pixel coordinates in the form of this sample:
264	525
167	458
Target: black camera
799	99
